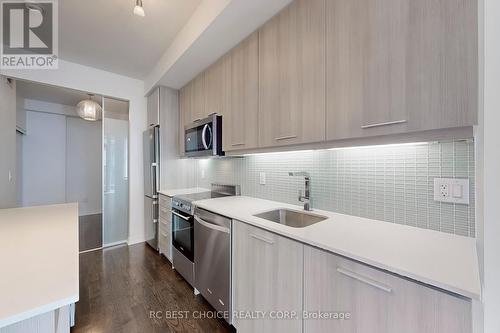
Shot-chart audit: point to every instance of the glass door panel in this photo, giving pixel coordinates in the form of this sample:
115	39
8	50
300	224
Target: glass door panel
115	171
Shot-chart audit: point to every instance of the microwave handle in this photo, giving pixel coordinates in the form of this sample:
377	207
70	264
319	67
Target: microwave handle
203	136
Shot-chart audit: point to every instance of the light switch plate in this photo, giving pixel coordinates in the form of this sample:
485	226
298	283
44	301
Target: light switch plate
262	178
452	190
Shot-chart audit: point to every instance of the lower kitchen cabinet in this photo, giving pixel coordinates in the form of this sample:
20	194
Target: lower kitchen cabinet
267	280
377	302
165	227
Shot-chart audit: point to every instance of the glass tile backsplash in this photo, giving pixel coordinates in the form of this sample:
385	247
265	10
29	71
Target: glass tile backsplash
387	183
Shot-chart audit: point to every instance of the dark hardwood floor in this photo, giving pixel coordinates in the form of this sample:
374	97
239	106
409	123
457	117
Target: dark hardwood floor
121	285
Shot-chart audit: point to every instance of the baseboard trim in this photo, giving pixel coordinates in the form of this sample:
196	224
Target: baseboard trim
115	244
136	240
91	250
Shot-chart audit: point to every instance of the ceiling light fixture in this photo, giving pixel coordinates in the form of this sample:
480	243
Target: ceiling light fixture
139	8
89	110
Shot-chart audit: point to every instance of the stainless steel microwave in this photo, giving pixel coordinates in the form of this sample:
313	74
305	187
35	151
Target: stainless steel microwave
204	137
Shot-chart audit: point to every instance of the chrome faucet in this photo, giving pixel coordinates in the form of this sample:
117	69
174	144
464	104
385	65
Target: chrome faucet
306	198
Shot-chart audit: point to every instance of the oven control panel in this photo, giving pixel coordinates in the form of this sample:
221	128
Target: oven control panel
182	206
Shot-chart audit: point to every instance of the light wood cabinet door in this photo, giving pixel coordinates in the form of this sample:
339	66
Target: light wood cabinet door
377	302
198	98
292	75
442	64
154	108
193	105
267	276
399	65
216	85
240	118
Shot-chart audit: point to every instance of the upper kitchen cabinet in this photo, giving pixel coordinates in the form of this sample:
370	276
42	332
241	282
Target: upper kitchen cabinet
215	90
154	108
207	93
399	65
292	75
192	105
240	119
442	86
198	98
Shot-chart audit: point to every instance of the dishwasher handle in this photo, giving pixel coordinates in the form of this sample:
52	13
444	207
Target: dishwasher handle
211	225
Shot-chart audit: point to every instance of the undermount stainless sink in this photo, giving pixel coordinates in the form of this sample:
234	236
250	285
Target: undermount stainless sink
291	218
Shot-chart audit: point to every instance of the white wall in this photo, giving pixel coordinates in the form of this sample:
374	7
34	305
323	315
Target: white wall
75	76
61	161
8	196
491	166
44	156
83	165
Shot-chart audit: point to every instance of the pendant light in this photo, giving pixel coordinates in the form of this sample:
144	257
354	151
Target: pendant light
89	110
139	8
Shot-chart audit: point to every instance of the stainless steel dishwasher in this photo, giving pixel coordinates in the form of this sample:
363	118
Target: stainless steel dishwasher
212	259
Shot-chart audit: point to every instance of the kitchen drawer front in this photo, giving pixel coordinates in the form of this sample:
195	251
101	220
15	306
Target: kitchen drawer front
165	207
377	301
165	201
165	214
165	243
165	225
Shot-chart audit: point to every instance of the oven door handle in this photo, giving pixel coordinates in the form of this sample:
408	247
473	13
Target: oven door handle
212	226
180	215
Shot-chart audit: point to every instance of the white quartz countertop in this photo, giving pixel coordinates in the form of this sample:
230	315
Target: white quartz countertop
39	260
181	191
442	260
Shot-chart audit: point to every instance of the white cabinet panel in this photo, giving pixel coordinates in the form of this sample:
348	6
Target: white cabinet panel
267	276
378	302
165	227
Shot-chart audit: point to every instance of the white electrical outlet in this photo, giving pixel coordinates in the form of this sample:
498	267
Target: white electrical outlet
453	190
262	177
202	173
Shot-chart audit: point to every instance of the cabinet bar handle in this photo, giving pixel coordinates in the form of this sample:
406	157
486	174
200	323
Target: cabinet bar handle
364	279
384	124
238	144
285	137
264	239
